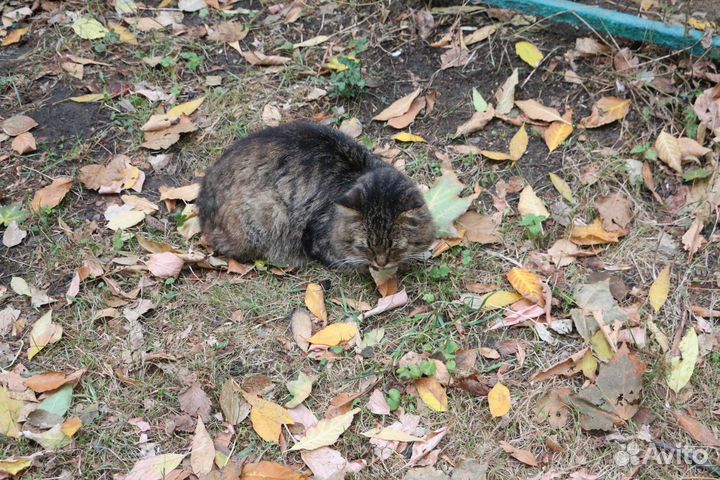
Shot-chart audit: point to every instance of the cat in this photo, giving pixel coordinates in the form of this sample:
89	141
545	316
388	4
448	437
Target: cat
301	192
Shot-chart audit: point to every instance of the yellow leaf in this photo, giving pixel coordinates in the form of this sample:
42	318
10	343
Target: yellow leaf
499	400
267	417
499	156
432	394
71	426
682	367
315	301
659	289
334	334
531	204
126	36
312	42
390	434
562	187
13	466
270	471
500	299
334	64
9	414
606	110
556	134
588	365
326	432
593	234
90	97
125	219
408	137
518	144
601	347
527	284
14	37
529	53
43	332
186	108
89	29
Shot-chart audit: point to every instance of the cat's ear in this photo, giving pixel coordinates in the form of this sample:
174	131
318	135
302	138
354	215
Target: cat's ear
351	200
414	217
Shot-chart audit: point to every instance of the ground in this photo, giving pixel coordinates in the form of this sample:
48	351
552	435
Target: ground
208	325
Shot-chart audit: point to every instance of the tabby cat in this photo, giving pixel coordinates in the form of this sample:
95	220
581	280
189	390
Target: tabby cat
302	192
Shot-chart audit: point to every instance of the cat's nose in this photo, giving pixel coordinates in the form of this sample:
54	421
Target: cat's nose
381	260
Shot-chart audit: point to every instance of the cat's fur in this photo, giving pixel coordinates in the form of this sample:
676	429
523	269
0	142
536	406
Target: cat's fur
302	192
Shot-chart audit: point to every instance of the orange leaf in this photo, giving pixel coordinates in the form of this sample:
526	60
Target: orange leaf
270	471
51	195
526	284
593	234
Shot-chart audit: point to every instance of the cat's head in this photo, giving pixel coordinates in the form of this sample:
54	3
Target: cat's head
382	221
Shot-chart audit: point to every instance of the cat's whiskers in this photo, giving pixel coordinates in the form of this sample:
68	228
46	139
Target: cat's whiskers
349	262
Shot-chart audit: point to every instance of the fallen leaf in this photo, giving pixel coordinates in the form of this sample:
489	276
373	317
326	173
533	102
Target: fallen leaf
699	432
89	98
490	301
606	110
526	284
681	367
505	95
552	406
524	456
614	397
191	5
38	298
234	407
24	143
260	59
202	452
499	400
335	334
9	414
44	382
44	332
531	204
593	234
187	108
529	53
51	195
432	394
556	134
301	325
423	449
668	150
228	32
408	117
315	301
269	471
477	122
14	466
300	389
156	467
125	220
326	432
480	228
186	193
88	28
408	138
267	417
562	187
14	37
194	401
18	124
351	127
13	235
616	211
581	361
377	403
660	289
165	264
455	56
518	144
479	35
537	111
53	439
445	203
387	303
398	107
326	463
563	252
590	46
125	35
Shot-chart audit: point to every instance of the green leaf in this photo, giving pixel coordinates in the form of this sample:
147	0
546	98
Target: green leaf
59	402
12	213
300	389
478	101
445	203
682	367
393	399
89	29
696	173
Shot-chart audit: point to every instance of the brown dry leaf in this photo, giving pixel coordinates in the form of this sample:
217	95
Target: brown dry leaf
398	107
616	211
117	175
165	264
606	110
13	235
480	228
531	204
707	107
537	111
455	56
552	406
476	123
267	417
408	117
18	124
352	127
590	46
186	193
690	148
51	195
235	409
699	432
24	143
615	396
563	252
202	453
377	403
669	151
195	402
260	59
270	471
227	32
593	234
43	333
387	303
164	138
577	362
45	382
423	451
329	464
315	301
480	34
693	239
625	61
524	456
140	204
505	95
